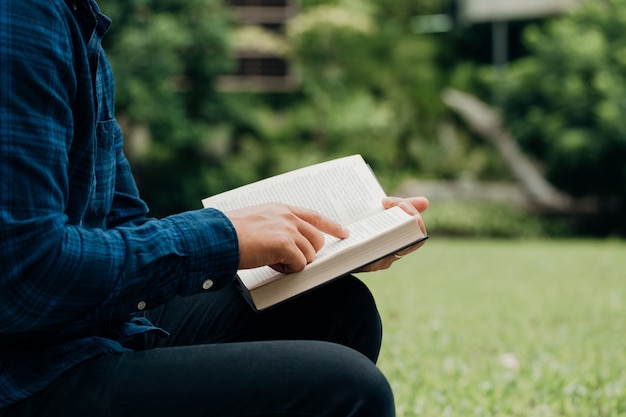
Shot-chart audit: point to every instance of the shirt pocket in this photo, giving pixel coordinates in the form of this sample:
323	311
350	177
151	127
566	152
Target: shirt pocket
104	167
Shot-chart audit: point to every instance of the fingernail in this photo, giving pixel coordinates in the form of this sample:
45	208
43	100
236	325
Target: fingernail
408	207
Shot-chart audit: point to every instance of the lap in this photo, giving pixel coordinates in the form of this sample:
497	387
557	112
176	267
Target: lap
314	356
269	378
343	312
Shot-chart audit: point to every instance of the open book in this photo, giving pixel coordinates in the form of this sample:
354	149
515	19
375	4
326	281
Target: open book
345	190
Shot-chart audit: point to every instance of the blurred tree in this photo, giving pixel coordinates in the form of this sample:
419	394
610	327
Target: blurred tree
368	84
566	101
165	55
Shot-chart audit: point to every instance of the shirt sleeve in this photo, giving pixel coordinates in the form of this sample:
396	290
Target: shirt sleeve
52	271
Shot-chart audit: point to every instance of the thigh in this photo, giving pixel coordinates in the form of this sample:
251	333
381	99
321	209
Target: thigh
272	378
343	312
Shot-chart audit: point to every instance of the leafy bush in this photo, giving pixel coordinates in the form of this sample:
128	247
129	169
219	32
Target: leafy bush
165	55
566	101
369	85
490	219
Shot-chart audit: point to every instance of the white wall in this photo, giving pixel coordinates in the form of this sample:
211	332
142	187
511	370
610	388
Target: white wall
501	10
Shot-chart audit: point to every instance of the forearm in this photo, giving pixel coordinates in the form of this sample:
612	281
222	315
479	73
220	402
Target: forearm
70	274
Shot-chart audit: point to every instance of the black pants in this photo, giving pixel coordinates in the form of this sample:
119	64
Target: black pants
313	356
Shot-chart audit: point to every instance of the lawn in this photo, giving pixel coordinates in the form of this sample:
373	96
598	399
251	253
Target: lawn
506	328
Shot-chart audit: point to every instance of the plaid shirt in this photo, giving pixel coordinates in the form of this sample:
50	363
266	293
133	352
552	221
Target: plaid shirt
79	259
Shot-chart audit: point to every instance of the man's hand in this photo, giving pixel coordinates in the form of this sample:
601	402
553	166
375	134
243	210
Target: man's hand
284	237
414	206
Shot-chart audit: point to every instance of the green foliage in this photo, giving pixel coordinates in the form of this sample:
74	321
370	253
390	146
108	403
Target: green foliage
165	56
505	328
368	84
489	219
566	101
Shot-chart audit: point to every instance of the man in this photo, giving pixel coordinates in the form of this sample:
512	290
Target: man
106	312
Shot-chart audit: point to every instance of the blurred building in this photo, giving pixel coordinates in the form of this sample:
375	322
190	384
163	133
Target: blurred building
480	11
501	14
261	67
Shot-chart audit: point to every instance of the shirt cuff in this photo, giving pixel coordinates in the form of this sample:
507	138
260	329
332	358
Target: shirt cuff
212	248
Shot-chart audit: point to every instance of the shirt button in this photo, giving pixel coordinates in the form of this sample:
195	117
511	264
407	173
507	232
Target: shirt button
207	284
141	305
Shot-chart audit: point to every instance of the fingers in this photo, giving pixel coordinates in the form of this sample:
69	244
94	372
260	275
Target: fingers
387	261
313	224
407	251
419	203
287	238
309	239
412	205
321	223
284	237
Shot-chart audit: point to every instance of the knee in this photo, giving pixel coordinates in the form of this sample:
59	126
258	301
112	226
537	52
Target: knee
374	396
359	385
364	318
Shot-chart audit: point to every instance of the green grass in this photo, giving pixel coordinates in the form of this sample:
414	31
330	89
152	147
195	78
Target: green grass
506	328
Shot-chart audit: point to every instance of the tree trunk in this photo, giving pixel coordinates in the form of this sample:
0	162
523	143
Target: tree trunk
488	124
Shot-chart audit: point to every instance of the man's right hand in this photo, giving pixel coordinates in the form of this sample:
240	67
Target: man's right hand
284	237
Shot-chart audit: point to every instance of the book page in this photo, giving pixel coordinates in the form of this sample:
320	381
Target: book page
360	231
343	189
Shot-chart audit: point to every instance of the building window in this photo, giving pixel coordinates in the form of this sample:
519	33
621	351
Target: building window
260	47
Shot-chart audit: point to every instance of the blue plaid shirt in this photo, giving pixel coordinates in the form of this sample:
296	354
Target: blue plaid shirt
79	259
